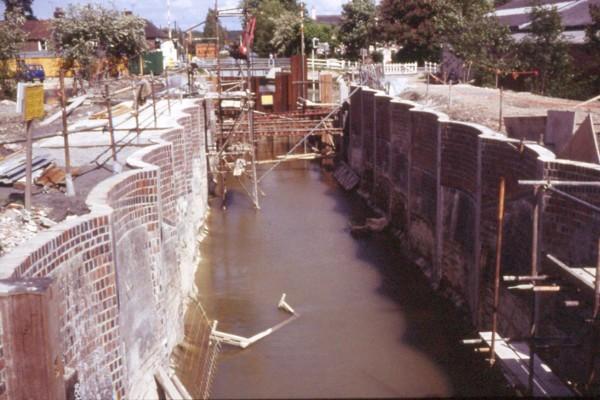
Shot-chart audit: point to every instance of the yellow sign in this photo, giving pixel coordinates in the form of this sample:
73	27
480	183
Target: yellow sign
34	102
266	99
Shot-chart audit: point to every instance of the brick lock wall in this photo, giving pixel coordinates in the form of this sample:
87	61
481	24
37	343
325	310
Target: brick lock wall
380	194
107	323
356	121
423	163
459	157
80	258
368	112
451	223
162	157
571	230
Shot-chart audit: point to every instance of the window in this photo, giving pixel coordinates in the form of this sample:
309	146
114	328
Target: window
42	45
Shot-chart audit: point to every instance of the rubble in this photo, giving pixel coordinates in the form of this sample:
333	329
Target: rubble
17	225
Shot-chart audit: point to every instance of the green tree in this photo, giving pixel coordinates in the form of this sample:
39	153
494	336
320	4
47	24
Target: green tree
20	6
210	26
268	13
476	36
88	34
286	35
412	24
357	30
592	48
546	51
12	37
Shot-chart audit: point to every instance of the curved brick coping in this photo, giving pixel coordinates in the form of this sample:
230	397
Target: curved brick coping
593	168
440	116
39	256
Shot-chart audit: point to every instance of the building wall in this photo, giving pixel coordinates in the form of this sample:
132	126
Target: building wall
121	273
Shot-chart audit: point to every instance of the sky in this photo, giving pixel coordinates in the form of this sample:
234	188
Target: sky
185	12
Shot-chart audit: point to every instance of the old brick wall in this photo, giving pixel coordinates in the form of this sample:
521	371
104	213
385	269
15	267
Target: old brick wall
380	194
113	330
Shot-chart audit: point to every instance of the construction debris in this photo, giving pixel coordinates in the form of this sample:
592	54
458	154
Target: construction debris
17	225
243	342
346	177
12	168
370	225
119	109
51	176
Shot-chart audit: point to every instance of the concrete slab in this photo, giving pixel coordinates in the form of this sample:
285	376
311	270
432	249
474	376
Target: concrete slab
583	146
560	127
526	128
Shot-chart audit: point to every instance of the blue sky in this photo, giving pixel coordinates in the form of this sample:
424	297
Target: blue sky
185	12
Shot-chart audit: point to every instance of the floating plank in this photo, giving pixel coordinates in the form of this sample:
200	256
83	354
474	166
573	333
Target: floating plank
514	360
346	177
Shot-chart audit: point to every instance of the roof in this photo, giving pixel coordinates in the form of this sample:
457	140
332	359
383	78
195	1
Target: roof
42	30
329	19
573	13
38	29
153	32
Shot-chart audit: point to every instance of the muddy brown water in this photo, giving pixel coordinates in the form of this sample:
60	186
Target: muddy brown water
369	324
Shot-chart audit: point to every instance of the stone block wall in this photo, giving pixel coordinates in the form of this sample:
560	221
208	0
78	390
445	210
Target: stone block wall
437	180
118	275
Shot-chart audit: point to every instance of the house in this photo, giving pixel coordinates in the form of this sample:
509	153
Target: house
37	49
39	33
333	19
574	15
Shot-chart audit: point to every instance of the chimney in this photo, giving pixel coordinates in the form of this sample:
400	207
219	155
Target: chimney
127	12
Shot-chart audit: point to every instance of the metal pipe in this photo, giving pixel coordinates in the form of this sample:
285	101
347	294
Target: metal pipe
499	232
153	97
110	123
500	110
595	313
70	188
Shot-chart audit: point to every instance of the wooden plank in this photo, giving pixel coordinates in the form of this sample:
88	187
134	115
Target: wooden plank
585	276
163	379
514	359
77	101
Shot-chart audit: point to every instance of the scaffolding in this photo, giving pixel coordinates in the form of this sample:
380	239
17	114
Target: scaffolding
234	150
518	356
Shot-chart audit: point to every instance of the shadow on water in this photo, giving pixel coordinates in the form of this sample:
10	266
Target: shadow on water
436	327
370	325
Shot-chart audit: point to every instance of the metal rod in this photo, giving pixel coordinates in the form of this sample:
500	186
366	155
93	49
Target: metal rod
595	333
302	67
153	97
500	110
168	92
136	106
110	122
559	183
251	123
28	168
501	190
575	199
70	188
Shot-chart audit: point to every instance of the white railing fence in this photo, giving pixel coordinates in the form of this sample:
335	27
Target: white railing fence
400	68
331	64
